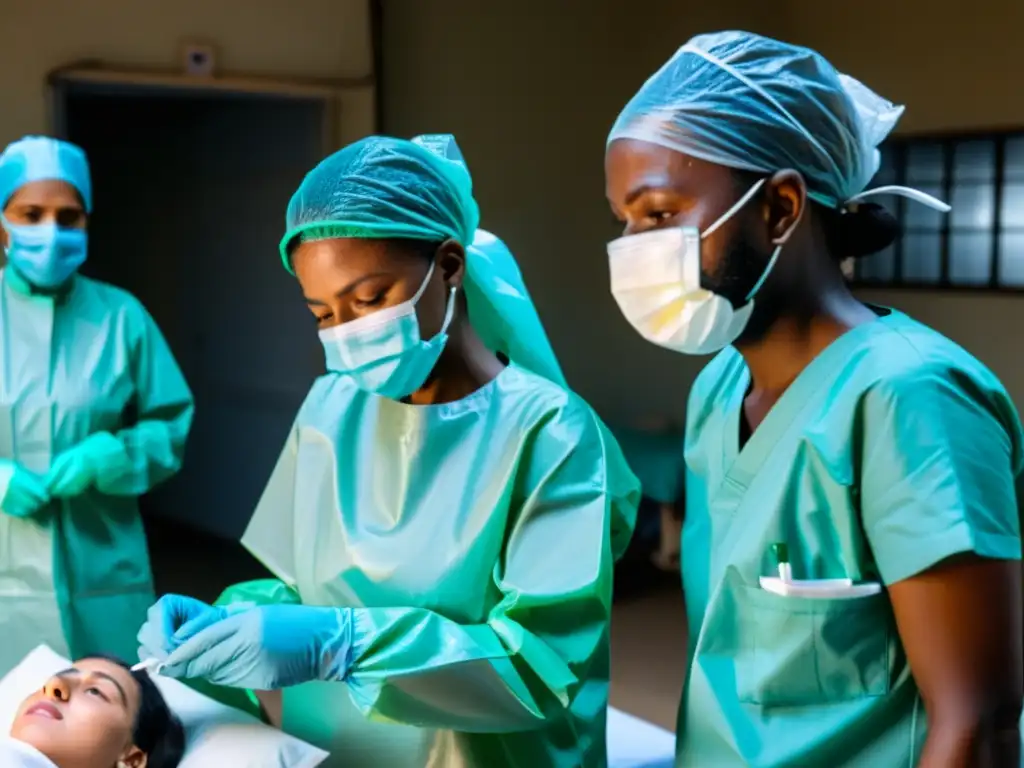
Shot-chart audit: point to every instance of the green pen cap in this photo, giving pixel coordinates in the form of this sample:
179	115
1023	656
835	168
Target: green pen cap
781	553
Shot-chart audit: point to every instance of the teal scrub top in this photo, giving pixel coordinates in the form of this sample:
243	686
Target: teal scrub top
893	450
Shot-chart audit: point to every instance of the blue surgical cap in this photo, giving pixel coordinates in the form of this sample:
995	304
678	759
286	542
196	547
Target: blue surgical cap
756	104
39	158
381	187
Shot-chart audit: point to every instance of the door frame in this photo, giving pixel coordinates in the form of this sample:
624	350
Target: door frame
95	78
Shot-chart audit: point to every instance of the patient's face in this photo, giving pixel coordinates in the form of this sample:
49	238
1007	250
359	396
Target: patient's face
83	717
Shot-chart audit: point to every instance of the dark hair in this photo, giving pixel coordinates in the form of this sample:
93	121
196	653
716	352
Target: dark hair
863	229
157	731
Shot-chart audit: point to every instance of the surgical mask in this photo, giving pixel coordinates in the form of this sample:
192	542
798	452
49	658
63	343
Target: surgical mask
655	279
46	255
383	352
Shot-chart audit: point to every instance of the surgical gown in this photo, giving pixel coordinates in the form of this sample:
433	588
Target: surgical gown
893	450
475	542
76	575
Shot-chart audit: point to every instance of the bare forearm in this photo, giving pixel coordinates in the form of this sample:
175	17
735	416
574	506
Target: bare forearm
971	742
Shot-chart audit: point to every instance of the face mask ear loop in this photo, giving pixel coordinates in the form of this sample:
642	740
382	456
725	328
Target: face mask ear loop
732	211
775	256
423	286
450	312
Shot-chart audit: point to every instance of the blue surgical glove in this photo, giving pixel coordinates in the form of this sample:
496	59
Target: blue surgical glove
269	647
24	493
78	468
171	621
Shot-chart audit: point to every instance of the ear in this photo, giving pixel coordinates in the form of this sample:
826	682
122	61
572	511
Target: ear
133	758
786	195
451	260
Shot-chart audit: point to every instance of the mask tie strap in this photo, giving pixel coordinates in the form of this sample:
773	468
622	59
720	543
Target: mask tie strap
894	189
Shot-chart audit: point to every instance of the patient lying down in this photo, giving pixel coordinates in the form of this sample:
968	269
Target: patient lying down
97	714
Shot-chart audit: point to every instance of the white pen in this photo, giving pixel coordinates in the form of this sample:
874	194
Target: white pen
781	552
153	666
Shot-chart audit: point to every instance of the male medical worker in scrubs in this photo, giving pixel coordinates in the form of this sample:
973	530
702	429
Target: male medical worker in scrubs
93	413
827	439
445	524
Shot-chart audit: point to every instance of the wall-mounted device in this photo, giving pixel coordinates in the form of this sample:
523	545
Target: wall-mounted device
199	59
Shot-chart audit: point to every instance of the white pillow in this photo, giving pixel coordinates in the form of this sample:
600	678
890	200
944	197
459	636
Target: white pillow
635	743
216	735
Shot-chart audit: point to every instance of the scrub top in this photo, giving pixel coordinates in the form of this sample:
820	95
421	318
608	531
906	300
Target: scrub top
892	450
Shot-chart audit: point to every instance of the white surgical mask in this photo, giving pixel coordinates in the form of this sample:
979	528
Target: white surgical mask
383	352
655	278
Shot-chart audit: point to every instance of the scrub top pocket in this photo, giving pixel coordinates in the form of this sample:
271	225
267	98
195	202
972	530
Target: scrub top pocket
805	651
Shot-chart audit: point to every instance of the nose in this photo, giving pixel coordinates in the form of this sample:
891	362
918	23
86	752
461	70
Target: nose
59	690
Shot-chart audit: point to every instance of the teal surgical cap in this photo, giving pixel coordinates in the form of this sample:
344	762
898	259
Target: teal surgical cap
39	158
755	104
381	187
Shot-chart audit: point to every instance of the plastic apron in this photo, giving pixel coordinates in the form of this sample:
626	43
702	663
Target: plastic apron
76	576
781	681
424	520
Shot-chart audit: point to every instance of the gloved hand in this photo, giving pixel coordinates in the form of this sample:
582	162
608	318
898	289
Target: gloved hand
25	492
269	647
78	468
171	621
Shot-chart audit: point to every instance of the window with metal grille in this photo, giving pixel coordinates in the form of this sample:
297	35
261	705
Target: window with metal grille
980	244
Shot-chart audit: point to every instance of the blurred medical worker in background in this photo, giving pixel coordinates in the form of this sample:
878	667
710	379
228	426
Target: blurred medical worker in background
94	412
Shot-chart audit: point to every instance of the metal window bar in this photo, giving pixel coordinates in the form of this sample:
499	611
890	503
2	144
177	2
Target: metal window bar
948	148
900	161
997	213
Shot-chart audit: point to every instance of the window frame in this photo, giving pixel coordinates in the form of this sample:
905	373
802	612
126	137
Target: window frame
897	205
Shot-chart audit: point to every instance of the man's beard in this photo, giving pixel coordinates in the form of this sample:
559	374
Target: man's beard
735	276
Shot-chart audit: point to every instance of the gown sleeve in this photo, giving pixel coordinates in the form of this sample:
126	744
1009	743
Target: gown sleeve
526	662
155	442
941	454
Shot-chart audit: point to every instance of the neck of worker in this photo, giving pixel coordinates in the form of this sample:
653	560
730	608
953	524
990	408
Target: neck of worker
815	317
465	365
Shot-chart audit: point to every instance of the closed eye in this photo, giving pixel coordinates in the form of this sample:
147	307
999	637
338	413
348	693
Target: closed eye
373	301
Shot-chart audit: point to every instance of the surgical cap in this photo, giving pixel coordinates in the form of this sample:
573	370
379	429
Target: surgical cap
382	188
756	104
38	158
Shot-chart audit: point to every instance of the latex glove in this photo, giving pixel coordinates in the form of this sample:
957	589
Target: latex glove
25	492
269	647
78	468
171	621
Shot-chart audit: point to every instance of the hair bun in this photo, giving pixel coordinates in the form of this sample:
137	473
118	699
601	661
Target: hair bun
861	231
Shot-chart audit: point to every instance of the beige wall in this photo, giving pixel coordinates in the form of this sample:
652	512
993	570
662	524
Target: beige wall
311	38
953	70
531	88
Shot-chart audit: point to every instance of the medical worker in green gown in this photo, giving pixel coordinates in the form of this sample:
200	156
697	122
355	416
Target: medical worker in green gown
93	413
448	521
827	440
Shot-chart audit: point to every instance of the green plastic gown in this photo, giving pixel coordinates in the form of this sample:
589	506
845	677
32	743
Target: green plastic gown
475	542
76	576
892	450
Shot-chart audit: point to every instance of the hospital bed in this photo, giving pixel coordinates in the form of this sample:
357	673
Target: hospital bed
219	736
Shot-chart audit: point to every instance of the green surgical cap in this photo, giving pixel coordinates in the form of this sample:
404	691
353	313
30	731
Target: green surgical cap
382	187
